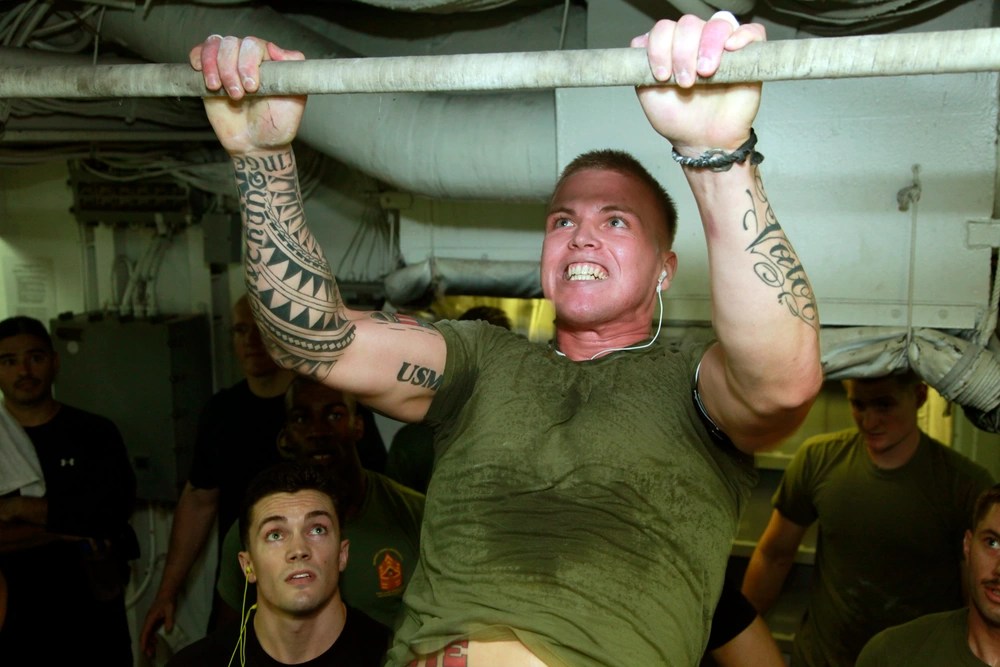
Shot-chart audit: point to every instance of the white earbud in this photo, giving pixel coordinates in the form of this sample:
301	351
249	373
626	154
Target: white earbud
659	281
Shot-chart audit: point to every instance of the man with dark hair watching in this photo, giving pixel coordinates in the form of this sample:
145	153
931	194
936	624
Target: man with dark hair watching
381	517
892	505
293	550
65	545
966	637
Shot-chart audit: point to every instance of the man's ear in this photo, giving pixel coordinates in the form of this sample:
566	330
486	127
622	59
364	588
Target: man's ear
669	271
345	547
967	544
246	564
921	391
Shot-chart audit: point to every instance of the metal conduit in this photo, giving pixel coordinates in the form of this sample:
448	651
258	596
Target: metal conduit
943	52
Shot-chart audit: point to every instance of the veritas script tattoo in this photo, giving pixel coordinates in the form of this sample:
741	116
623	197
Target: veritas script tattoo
776	263
298	304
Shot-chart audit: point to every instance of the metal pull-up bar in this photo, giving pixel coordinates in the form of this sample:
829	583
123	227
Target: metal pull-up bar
945	52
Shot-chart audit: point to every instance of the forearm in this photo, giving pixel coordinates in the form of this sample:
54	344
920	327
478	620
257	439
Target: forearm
24	509
763	308
189	533
285	265
299	310
18	536
764	578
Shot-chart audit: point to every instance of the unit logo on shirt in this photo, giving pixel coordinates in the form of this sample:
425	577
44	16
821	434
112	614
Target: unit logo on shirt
389	564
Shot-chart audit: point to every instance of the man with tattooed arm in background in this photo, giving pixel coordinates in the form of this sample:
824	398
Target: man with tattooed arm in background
586	493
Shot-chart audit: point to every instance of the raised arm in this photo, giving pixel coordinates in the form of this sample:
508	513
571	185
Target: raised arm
293	293
759	381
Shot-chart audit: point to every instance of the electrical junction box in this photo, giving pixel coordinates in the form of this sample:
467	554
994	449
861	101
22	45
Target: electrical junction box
151	377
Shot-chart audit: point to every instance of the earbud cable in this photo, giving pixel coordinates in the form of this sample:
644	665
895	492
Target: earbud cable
659	325
241	641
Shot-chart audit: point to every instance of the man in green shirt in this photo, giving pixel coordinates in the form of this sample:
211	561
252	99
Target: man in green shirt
967	637
585	494
892	505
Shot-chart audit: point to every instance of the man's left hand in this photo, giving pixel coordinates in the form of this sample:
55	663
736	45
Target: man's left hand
697	118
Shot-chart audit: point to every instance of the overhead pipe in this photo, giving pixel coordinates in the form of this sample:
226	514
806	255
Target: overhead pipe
952	51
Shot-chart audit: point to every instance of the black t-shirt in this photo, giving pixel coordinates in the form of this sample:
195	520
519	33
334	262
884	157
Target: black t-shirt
237	438
362	643
73	589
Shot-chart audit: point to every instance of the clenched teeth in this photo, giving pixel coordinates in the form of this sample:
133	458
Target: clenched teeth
585	272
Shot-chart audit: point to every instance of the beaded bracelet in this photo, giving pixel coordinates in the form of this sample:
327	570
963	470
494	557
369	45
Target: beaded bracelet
717	159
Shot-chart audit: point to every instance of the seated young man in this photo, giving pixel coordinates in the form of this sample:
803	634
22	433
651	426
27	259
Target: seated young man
293	552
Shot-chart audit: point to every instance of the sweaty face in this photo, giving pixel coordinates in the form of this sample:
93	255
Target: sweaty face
603	251
248	345
27	370
982	553
319	426
886	413
296	552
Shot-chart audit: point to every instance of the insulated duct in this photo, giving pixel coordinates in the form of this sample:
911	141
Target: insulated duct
431	144
960	370
439	276
438	6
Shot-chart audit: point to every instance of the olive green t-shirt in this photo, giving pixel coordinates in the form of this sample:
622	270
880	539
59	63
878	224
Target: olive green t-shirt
578	507
890	541
935	640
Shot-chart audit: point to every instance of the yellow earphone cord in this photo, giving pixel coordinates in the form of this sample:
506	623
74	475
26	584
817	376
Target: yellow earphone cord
241	643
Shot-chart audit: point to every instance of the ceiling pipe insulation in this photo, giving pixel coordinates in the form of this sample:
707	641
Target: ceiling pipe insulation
434	145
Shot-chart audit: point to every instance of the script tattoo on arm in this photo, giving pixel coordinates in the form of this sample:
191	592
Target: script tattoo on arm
776	264
298	306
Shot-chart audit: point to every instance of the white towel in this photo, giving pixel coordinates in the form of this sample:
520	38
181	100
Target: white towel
19	466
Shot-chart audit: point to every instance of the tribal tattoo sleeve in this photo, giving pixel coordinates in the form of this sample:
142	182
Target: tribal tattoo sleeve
298	306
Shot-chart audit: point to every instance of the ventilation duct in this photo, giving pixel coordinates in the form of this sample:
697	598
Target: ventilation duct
430	144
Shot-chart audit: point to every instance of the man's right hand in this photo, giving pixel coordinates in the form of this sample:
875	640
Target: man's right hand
160	613
246	125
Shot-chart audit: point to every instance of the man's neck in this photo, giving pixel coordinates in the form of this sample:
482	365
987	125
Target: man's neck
34	414
983	639
899	455
292	640
270	385
585	345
